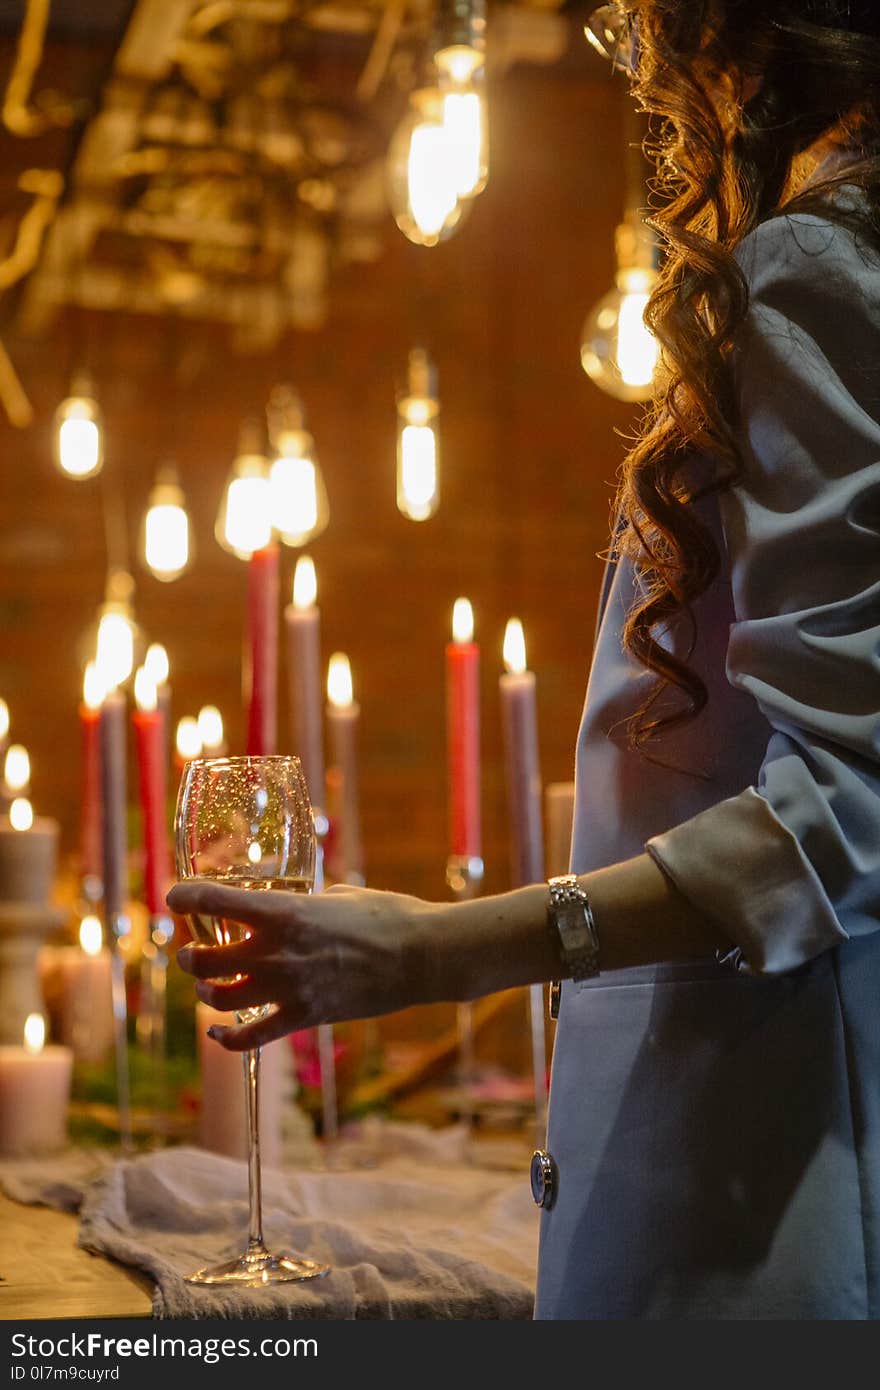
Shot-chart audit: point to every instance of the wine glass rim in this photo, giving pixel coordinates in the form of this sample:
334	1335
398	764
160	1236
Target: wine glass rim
245	760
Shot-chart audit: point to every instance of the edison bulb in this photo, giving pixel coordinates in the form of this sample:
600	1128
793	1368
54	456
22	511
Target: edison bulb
418	454
618	349
422	177
166	535
465	117
297	491
244	522
79	445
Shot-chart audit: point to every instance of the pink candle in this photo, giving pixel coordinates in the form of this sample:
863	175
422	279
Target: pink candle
223	1120
343	718
519	721
86	1019
302	621
261	652
153	783
113	803
463	734
34	1093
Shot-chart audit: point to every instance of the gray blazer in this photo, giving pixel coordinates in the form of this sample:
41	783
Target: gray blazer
716	1125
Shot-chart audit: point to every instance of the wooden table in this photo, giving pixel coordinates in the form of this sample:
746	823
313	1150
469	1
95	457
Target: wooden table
46	1275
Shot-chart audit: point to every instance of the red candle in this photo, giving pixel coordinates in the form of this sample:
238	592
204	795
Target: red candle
302	622
519	721
149	728
463	734
90	783
261	652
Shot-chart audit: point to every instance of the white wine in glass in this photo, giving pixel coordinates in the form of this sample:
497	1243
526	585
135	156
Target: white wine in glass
247	822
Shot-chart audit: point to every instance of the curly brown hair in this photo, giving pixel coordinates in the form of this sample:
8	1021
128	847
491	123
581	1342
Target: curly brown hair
739	92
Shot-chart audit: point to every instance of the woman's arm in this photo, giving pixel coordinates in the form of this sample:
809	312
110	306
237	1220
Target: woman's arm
354	952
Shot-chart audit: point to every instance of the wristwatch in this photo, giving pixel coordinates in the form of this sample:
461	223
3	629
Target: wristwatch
571	919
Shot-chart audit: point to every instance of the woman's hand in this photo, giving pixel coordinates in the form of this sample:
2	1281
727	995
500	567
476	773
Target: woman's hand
346	953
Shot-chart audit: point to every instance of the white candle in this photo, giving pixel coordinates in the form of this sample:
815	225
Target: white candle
517	687
302	622
34	1093
86	1020
223	1119
343	718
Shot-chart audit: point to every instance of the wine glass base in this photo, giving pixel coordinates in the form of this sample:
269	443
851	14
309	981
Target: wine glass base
256	1269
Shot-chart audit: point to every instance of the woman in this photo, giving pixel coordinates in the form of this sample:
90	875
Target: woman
714	1136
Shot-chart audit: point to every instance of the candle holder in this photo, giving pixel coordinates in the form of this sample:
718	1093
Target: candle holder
326	1054
464	878
119	927
153	1014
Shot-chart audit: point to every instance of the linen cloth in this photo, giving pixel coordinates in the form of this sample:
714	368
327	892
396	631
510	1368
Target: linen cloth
716	1126
424	1234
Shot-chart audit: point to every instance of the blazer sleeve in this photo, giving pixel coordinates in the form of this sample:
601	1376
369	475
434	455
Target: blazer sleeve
791	866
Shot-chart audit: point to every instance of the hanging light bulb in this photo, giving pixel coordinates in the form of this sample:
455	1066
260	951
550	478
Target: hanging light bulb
298	500
244	522
618	349
421	173
79	443
460	60
118	636
166	536
418	455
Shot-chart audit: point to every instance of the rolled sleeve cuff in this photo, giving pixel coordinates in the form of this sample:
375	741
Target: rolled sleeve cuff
745	869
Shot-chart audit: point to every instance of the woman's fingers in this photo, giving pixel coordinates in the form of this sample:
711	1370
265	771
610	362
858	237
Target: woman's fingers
212	899
247	1035
213	962
229	995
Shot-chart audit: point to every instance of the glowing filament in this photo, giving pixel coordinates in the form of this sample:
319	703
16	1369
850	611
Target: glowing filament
462	621
463	124
293	487
417	491
114	657
340	691
514	647
248	524
166	540
79	438
4	719
431	177
637	348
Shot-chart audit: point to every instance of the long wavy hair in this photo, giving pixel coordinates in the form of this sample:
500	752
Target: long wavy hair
739	92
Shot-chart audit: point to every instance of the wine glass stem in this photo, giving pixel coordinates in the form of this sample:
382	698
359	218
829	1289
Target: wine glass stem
255	1191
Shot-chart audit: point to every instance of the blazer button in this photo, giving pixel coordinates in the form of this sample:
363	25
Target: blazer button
542	1176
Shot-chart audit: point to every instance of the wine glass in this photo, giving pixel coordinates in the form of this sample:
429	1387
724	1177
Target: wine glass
247	822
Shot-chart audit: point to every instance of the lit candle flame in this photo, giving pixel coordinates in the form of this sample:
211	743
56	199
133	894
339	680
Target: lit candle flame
514	647
188	741
210	726
156	662
254	852
91	935
21	814
305	582
462	621
17	768
4	719
94	688
145	690
340	692
34	1033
